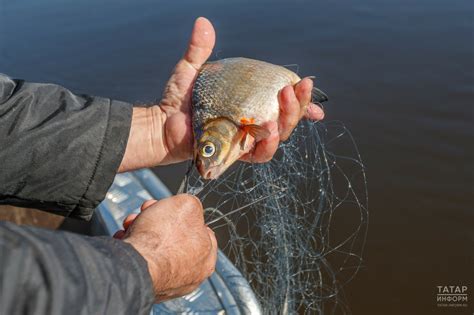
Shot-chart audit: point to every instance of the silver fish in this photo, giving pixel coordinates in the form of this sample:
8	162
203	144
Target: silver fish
231	99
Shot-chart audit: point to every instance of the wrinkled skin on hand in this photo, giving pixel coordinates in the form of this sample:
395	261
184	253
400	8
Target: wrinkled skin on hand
180	250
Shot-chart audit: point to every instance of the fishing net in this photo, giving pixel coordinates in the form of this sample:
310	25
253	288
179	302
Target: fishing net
295	226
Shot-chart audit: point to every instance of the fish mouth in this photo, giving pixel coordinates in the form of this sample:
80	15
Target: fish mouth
210	175
212	172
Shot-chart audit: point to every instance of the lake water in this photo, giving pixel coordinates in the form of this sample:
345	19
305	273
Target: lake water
400	74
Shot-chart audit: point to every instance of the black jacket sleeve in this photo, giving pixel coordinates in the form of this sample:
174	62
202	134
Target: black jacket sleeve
58	151
46	272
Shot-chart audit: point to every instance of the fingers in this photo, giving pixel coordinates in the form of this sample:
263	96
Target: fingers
148	204
303	94
190	203
314	112
201	43
173	228
266	148
129	220
131	217
119	234
289	112
190	207
295	103
303	90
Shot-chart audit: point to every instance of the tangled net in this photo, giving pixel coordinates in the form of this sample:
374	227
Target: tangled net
295	226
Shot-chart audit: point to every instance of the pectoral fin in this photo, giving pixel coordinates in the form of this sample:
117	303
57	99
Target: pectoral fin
243	142
258	132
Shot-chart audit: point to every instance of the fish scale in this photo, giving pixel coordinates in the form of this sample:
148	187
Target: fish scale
237	88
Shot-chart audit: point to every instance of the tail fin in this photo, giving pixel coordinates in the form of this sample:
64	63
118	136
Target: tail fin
319	96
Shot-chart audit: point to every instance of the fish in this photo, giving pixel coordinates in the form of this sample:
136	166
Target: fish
231	99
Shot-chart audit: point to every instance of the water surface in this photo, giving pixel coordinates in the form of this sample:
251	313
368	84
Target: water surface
398	73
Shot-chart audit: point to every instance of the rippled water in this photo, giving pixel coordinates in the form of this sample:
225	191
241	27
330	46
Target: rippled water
400	74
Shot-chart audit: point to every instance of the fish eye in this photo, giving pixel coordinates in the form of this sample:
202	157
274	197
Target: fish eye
208	149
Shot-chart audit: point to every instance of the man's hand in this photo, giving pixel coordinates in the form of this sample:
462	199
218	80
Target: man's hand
162	134
180	250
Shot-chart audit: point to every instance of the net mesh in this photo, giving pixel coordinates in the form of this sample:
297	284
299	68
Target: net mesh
295	226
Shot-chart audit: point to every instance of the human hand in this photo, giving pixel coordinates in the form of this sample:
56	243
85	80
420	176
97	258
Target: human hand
162	134
180	250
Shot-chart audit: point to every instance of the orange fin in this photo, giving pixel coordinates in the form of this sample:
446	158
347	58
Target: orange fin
258	132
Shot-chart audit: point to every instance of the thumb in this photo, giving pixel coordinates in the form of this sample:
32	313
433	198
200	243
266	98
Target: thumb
201	43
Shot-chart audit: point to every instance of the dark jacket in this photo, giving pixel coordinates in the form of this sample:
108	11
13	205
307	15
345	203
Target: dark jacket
59	152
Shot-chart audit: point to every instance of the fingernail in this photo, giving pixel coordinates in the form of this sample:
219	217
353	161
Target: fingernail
315	113
119	234
210	229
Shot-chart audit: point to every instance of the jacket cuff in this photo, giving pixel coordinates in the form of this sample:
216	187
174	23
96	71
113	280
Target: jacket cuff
108	160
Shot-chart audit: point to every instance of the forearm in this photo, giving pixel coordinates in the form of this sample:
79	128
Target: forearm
146	144
58	151
58	272
157	137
